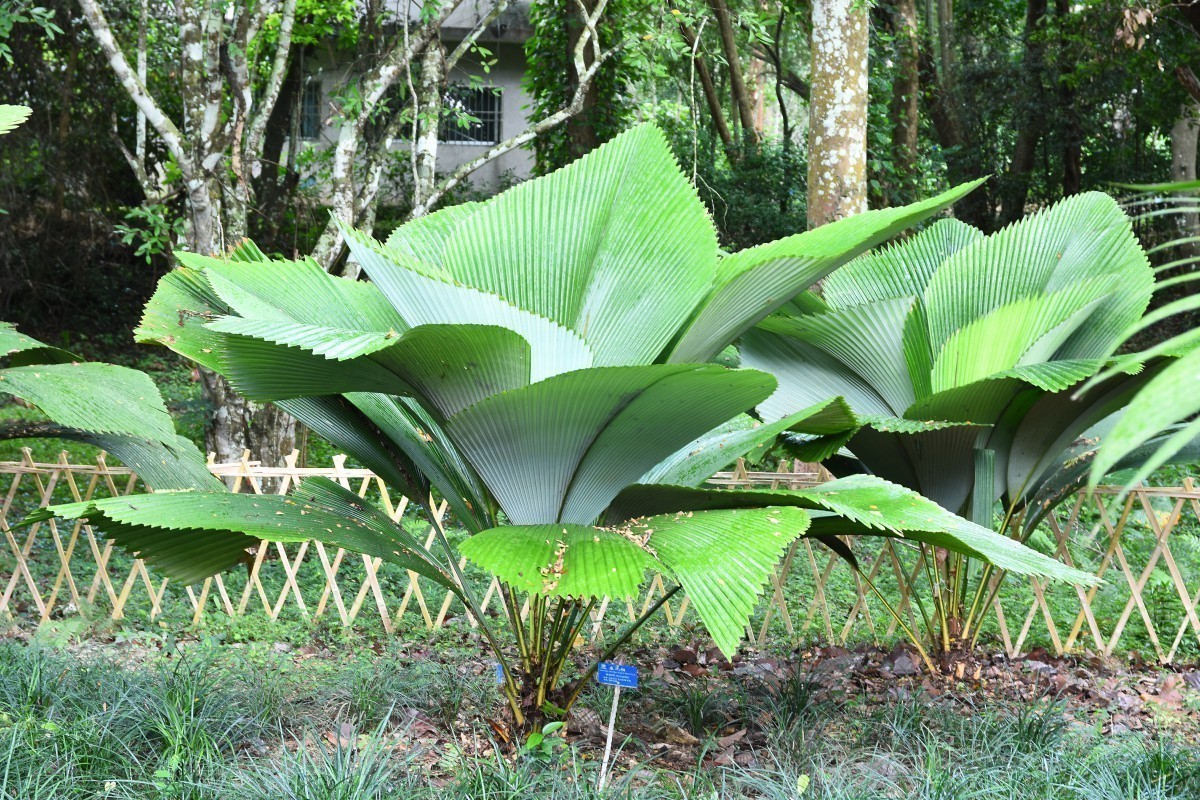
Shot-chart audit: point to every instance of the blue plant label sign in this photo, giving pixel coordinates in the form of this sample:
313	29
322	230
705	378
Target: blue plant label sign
612	674
499	673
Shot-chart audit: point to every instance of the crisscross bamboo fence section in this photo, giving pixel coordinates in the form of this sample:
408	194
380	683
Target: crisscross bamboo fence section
1150	598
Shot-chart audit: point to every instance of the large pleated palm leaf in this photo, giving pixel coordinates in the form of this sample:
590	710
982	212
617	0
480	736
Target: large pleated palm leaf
540	361
961	354
115	408
1170	401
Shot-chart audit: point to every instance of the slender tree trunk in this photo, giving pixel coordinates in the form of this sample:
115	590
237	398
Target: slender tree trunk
1032	116
67	90
711	98
1072	151
737	83
946	44
837	143
906	88
1068	108
785	122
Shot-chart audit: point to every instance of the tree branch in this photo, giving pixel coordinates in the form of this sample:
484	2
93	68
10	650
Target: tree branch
1188	80
787	77
136	90
586	75
470	39
258	123
156	191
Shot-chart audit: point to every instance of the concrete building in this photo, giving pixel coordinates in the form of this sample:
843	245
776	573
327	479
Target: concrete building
491	95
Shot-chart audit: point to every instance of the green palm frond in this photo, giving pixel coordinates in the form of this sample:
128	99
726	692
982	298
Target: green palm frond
1170	399
12	116
952	327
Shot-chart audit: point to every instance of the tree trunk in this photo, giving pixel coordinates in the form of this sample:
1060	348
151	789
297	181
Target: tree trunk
1185	134
837	138
429	114
236	425
906	87
737	83
1016	192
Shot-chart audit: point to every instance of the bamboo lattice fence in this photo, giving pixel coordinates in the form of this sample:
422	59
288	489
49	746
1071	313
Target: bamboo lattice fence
1150	598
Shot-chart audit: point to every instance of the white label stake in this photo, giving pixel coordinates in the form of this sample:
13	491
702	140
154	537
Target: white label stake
609	673
612	721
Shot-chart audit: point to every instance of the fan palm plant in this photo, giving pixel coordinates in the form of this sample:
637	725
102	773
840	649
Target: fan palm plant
540	361
1169	401
959	353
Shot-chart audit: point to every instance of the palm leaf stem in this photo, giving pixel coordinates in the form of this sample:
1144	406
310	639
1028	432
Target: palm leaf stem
578	620
916	642
615	646
1012	520
513	610
468	598
939	603
549	647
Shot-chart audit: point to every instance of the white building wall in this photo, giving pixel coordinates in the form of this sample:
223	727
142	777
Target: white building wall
505	41
506	73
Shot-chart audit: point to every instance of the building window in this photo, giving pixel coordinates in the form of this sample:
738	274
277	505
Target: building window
471	116
310	110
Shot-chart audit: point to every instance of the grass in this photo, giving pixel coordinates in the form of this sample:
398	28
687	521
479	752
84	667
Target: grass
214	721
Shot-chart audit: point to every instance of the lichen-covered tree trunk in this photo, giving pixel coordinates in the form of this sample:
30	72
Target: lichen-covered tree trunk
429	112
837	130
236	425
233	425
